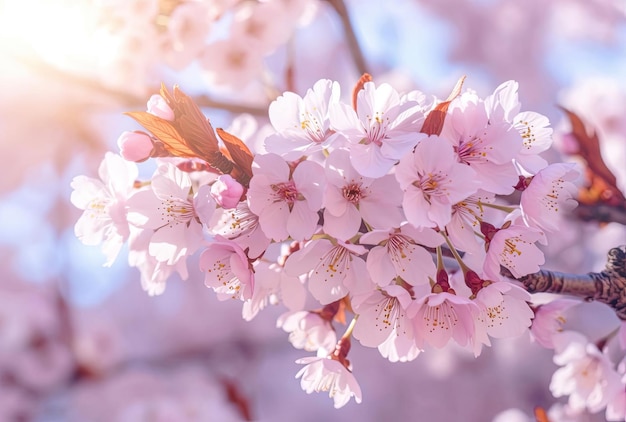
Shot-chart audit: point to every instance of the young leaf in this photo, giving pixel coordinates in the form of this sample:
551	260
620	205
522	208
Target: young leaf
239	152
602	182
163	130
191	123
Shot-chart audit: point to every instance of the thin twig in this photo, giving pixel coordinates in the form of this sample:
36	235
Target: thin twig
353	43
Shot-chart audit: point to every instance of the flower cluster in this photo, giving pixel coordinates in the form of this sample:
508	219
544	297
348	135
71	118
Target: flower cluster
228	39
396	209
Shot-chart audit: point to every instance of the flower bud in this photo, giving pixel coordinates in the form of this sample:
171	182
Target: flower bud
135	146
159	107
226	191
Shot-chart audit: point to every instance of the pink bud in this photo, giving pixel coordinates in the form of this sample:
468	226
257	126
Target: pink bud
159	107
226	191
135	146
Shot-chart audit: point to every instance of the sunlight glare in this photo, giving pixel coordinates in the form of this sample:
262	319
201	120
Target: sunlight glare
58	32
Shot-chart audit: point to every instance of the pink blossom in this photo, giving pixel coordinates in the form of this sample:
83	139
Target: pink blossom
187	27
433	181
586	374
549	193
515	249
504	106
158	106
486	145
227	270
350	197
173	212
242	226
104	203
135	146
536	136
383	323
440	317
326	374
272	286
398	254
308	330
465	221
286	202
153	273
380	131
302	124
266	25
231	62
334	269
504	312
549	320
226	191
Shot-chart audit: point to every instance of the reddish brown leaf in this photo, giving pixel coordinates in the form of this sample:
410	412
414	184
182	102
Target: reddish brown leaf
239	153
191	123
163	130
602	183
366	77
433	124
541	415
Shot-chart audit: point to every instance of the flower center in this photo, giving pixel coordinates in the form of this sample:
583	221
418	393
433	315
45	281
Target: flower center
353	192
286	192
471	150
176	211
313	128
432	185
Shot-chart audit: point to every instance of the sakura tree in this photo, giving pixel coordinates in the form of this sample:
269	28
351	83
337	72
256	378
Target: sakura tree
358	211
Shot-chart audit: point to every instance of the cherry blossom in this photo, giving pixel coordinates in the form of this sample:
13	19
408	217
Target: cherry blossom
272	286
514	248
104	203
549	320
383	323
398	254
226	191
174	215
486	145
154	273
440	317
380	131
135	146
350	197
504	312
333	269
242	226
227	270
310	331
158	106
326	374
433	181
586	374
504	105
465	221
286	200
302	124
549	194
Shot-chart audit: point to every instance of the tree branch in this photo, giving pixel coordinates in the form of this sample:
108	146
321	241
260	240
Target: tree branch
607	286
353	43
601	213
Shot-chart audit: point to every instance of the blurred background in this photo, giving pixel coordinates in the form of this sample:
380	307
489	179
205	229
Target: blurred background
80	342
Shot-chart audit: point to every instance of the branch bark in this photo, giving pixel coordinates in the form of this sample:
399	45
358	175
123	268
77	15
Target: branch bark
607	286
